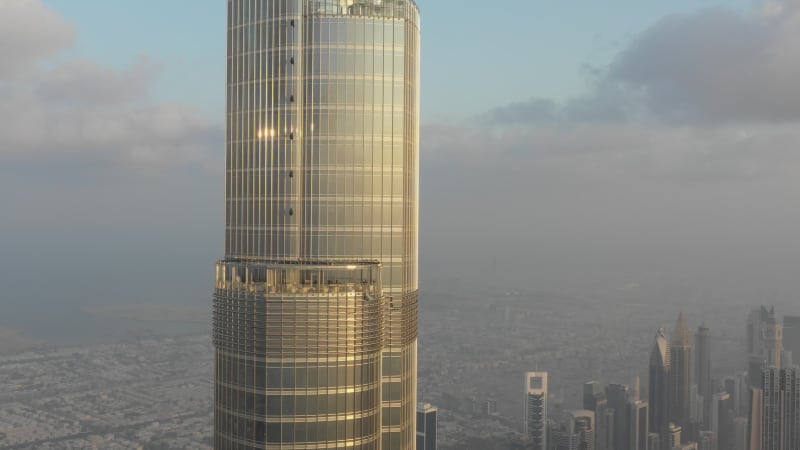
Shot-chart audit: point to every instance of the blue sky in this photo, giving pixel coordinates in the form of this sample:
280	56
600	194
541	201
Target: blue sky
474	57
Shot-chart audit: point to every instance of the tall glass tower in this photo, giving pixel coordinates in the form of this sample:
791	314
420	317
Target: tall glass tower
680	372
660	365
315	306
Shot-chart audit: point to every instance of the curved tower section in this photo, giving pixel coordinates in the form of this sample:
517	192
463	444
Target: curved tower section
315	307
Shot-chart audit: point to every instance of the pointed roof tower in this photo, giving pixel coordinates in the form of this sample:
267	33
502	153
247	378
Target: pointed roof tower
660	355
682	336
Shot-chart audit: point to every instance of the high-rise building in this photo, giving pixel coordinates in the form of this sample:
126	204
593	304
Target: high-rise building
536	410
426	427
706	441
702	369
721	420
696	409
680	372
733	386
592	391
742	397
780	409
755	433
594	399
315	306
491	407
638	425
791	338
660	363
654	441
609	429
619	396
675	432
739	438
576	434
764	342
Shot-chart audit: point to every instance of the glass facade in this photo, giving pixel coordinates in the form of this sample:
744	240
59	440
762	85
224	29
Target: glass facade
322	168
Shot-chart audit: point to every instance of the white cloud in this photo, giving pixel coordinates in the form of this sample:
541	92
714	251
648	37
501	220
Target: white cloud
29	32
79	110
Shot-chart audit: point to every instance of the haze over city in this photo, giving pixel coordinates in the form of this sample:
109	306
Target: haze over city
587	172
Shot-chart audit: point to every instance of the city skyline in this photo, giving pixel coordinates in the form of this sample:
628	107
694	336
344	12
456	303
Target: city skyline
548	196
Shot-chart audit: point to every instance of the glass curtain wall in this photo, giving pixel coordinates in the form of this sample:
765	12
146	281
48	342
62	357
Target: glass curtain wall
322	168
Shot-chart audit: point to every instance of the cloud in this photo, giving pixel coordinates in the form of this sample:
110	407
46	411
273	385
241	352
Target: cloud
681	159
716	66
79	110
29	32
711	67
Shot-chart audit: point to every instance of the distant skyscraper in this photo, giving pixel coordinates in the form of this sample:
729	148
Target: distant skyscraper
755	434
654	441
660	361
780	410
696	401
426	427
764	342
791	337
721	420
594	399
619	396
592	391
739	434
702	368
706	441
576	434
491	407
536	410
638	425
315	306
680	372
675	438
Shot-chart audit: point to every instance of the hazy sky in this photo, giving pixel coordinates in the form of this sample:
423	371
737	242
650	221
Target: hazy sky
624	146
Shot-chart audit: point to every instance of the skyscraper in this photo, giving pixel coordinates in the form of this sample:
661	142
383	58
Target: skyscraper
680	372
315	306
780	409
638	425
739	438
577	433
594	399
426	427
660	361
791	337
654	442
764	342
721	419
536	410
618	396
702	369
